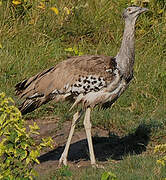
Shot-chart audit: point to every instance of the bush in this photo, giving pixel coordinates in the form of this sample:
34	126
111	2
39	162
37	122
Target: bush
18	150
162	149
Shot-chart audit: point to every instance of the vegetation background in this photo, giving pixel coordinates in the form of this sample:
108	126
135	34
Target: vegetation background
35	35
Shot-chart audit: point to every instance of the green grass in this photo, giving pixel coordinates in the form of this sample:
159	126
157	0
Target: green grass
130	168
36	39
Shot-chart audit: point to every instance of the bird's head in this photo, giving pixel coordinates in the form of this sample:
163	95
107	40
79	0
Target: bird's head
131	13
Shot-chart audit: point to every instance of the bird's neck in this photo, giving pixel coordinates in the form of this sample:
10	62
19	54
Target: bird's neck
125	57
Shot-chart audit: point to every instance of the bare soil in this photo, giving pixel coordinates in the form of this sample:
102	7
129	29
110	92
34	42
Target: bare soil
106	145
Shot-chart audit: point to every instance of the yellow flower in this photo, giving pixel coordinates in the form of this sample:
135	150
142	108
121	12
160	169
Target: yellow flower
16	2
161	161
55	10
41	5
160	11
32	21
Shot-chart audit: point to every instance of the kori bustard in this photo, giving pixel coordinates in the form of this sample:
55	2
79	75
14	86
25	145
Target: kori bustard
89	80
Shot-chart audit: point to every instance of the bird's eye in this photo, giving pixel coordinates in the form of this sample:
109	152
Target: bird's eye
129	9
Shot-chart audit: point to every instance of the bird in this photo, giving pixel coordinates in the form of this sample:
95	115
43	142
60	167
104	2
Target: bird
87	80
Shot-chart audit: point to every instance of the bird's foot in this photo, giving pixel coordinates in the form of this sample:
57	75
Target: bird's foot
62	160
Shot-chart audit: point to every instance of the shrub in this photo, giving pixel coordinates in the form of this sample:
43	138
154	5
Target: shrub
18	150
162	149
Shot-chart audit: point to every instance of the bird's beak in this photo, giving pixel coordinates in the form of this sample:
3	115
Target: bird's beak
143	10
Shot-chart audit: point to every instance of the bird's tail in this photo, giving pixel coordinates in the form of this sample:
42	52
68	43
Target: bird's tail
32	98
31	103
23	88
25	91
28	105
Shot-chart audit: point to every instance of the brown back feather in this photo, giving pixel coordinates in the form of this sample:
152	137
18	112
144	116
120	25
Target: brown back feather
66	72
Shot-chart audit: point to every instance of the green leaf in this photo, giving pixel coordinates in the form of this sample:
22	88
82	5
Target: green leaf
28	160
24	144
105	176
21	154
34	128
108	175
47	142
33	155
69	50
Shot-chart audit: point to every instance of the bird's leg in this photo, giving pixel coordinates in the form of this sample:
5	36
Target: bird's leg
87	125
63	158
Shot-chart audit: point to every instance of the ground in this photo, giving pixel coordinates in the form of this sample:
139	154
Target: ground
106	144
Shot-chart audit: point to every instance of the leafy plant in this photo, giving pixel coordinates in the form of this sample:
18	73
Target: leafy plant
18	150
162	149
108	176
74	50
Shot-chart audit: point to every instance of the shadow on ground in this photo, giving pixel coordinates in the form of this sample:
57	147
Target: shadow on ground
113	147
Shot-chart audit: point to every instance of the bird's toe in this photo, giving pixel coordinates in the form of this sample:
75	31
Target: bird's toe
62	160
